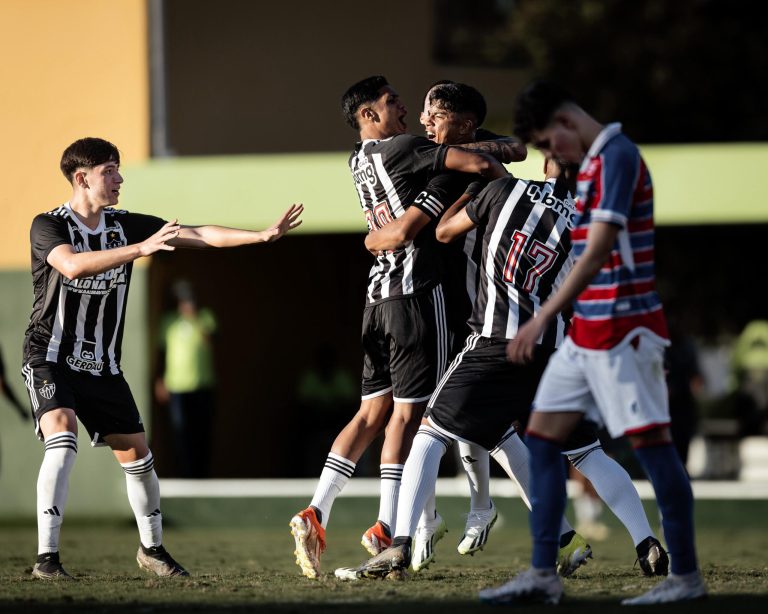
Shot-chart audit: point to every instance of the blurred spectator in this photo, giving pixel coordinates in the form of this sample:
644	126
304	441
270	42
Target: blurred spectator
684	382
325	385
327	396
749	364
186	380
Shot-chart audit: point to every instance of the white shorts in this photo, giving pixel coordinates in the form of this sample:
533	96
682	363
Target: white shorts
623	388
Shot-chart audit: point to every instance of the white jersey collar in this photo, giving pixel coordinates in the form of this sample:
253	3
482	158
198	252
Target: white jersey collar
606	134
99	229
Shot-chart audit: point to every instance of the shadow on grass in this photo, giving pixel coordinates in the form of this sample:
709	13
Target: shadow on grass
742	604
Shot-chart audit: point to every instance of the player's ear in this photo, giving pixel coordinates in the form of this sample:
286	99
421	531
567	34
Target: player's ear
368	114
79	179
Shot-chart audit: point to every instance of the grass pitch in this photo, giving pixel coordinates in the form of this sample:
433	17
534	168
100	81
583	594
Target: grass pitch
240	554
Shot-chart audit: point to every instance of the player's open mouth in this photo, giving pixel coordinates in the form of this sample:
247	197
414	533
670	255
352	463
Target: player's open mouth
430	135
401	119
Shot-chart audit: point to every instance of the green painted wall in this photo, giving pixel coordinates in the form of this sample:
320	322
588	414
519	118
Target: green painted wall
98	484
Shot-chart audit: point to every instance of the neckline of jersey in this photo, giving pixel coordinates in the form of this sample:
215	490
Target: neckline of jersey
98	230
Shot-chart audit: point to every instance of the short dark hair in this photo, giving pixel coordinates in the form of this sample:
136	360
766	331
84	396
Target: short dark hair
568	174
536	105
87	153
438	82
460	98
359	94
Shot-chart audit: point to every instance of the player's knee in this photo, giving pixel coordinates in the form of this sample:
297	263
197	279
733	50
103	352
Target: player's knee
140	467
370	419
652	437
58	421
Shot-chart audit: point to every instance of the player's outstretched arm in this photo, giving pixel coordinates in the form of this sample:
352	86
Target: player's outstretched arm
455	222
505	149
397	233
219	236
600	240
74	265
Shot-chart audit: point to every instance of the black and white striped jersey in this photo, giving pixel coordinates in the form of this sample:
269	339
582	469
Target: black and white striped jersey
524	227
390	176
79	322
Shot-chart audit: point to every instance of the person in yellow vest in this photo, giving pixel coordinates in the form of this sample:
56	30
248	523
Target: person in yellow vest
187	381
749	368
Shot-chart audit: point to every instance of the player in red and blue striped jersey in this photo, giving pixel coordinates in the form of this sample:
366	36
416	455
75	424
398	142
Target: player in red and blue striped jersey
610	368
615	188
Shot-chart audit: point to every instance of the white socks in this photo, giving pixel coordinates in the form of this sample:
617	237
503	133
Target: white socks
52	488
512	454
144	497
333	479
614	486
391	474
419	479
477	464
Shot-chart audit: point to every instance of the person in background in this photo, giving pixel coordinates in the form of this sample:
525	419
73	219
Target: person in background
186	384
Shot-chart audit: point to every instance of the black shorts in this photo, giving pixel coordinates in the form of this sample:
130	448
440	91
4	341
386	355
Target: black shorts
482	394
406	347
103	403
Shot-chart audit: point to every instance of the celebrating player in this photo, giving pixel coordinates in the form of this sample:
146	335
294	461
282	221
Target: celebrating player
405	337
82	258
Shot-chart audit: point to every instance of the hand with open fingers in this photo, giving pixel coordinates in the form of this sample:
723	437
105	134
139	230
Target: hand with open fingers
159	240
520	349
288	221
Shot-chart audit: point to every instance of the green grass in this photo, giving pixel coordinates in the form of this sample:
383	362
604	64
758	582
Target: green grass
240	556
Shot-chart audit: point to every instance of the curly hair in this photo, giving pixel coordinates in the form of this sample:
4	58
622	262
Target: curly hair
459	98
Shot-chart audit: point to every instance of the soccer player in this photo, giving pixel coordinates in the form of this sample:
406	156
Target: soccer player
610	368
405	337
452	115
82	258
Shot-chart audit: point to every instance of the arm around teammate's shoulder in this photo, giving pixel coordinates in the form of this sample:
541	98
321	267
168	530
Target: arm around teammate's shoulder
457	159
504	148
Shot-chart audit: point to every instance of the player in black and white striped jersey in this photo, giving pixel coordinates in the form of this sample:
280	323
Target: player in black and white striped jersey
525	228
405	334
82	256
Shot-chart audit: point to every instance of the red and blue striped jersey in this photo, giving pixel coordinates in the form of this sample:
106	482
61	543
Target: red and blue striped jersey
614	186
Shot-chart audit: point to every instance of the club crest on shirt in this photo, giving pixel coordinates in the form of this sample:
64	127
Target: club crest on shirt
47	390
113	238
